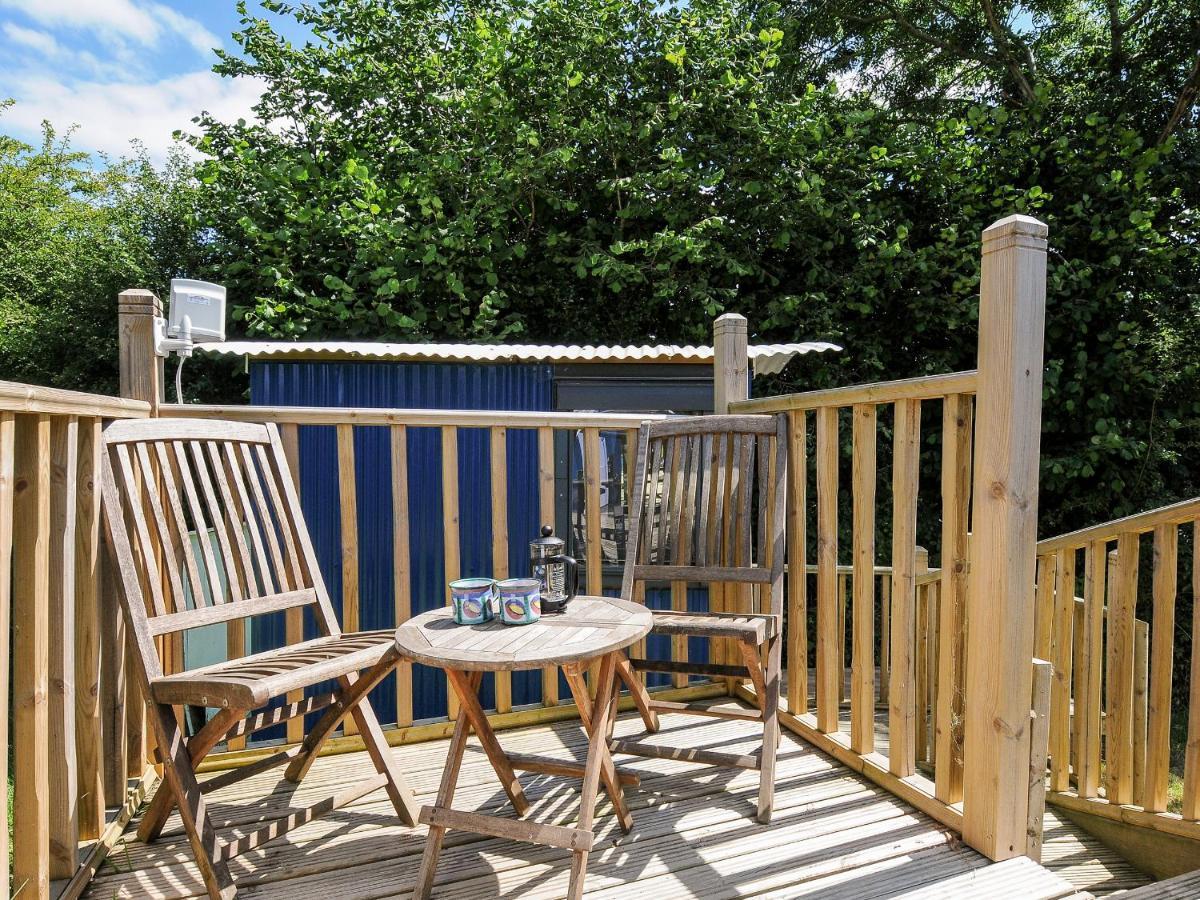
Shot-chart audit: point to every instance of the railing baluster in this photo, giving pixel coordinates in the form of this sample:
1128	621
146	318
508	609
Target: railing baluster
1087	699
797	560
591	512
88	731
545	438
401	565
1158	720
829	663
862	693
957	426
7	454
1060	656
1141	706
63	768
1191	760
1119	713
450	514
31	657
499	476
902	695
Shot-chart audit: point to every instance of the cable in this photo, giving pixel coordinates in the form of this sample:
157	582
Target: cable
179	380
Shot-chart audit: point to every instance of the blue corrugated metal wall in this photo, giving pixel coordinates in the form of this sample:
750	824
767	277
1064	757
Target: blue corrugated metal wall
414	386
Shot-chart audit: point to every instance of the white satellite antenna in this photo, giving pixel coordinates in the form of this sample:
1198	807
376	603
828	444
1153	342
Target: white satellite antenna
197	316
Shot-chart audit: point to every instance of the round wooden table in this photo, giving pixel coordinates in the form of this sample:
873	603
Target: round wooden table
593	629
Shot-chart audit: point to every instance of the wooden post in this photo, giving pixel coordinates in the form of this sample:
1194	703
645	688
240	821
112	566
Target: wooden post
1012	311
731	375
731	381
141	370
141	374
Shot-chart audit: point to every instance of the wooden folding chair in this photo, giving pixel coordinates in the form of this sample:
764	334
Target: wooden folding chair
709	509
205	527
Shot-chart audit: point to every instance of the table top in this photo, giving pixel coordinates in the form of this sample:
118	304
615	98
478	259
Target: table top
591	627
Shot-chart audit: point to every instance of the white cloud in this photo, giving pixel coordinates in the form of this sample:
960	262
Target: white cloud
110	114
39	41
142	23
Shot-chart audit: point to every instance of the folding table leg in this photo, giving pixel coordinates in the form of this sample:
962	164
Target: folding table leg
469	705
596	757
445	797
591	719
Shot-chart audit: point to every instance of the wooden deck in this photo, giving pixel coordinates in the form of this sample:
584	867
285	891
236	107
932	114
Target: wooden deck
834	834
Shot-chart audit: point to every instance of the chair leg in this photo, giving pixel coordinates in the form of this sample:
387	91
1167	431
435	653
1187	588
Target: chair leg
352	700
198	747
180	779
641	697
770	745
353	689
377	747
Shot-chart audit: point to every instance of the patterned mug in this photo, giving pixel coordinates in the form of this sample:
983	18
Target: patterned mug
520	601
472	599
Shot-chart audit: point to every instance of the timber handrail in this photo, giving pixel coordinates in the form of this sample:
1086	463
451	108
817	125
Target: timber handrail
926	387
28	398
1138	523
433	418
1114	686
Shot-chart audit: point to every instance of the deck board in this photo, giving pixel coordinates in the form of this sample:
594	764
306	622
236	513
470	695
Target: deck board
834	833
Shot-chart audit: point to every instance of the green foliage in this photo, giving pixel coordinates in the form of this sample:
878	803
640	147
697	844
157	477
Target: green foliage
72	236
624	170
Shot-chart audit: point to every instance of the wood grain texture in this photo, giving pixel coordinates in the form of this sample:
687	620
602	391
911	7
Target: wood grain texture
1191	761
498	437
8	448
1012	312
1122	606
1060	656
862	692
1158	721
31	657
902	697
401	566
957	427
545	444
1087	713
88	727
452	568
797	560
591	627
829	661
63	762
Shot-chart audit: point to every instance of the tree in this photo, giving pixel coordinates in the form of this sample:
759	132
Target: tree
72	235
624	170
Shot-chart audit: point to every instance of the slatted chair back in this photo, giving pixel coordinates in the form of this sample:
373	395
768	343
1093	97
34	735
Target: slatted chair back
709	504
206	525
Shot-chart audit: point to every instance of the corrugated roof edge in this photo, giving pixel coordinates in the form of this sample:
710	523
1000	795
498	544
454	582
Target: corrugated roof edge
766	358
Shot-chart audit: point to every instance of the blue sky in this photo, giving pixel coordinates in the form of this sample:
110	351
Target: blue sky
117	69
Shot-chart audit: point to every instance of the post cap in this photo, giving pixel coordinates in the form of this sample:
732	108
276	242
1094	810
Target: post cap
1015	230
138	301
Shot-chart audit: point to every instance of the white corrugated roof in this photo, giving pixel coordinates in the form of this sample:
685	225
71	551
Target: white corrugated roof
767	359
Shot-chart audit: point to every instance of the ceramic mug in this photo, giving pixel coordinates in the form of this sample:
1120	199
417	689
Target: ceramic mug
472	599
520	601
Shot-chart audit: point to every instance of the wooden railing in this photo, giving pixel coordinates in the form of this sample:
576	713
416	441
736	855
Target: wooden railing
78	730
896	612
501	427
979	683
1111	700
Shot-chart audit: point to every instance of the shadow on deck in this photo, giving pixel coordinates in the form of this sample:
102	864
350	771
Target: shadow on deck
834	834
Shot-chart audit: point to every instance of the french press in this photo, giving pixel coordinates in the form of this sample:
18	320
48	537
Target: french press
557	572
